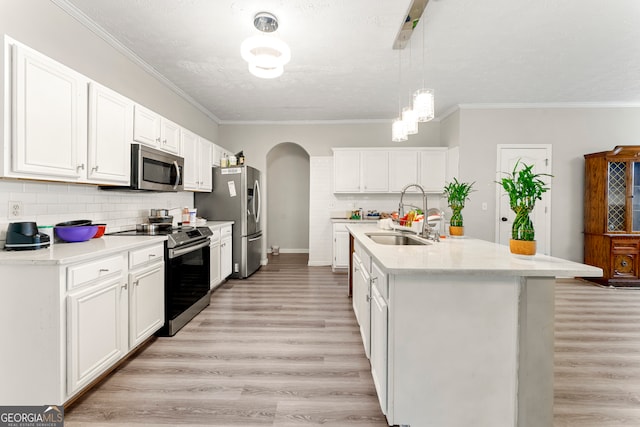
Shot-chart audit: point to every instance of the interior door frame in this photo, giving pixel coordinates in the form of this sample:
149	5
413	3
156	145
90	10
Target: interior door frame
499	190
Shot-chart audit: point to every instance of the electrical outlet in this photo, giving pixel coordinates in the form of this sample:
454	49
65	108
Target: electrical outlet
484	206
15	209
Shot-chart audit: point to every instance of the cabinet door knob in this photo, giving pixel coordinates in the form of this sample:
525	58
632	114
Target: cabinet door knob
124	286
504	219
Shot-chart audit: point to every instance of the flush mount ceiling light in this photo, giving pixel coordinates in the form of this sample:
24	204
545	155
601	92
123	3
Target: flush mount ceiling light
266	55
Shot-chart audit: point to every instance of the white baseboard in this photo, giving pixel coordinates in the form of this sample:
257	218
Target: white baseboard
292	251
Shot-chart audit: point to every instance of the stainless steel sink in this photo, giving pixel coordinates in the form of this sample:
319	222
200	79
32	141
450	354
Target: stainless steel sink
398	239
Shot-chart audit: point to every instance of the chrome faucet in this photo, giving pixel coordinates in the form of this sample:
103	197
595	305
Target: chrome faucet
427	232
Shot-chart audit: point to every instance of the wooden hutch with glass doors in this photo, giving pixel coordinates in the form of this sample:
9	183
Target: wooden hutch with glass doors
612	215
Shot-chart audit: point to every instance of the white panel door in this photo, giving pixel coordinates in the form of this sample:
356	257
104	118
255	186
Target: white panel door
540	157
403	169
146	126
110	136
49	108
375	171
170	136
346	171
206	156
146	303
96	319
190	144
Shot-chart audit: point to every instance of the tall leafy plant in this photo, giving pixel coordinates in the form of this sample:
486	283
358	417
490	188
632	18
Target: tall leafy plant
457	193
523	187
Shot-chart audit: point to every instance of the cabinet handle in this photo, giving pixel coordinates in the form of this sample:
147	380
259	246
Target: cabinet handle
124	286
152	255
374	279
368	298
80	166
95	168
103	270
137	282
164	141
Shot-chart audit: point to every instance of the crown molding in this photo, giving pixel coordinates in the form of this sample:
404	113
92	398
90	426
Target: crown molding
92	26
533	105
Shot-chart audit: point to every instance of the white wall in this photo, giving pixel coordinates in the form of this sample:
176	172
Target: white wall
572	132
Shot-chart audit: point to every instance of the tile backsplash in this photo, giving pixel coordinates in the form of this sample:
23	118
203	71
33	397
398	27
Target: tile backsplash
49	203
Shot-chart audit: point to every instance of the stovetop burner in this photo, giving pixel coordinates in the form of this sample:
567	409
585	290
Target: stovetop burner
176	236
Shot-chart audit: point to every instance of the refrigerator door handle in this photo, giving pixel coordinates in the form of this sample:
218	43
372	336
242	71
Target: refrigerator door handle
256	185
255	238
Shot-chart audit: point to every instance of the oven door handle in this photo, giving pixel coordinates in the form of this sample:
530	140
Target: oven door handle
175	185
174	253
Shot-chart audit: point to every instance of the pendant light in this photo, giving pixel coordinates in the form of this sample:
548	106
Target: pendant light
409	116
399	128
266	55
423	99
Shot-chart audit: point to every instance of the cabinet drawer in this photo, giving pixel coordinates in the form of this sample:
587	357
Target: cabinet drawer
225	231
82	274
625	246
146	255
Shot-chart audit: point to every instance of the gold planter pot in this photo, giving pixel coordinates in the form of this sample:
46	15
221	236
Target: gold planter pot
456	231
522	247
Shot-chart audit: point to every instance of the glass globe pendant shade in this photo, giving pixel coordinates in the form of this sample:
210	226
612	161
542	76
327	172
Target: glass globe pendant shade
409	119
398	130
423	105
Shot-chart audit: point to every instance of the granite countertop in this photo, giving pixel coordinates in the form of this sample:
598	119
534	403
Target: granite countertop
67	253
464	256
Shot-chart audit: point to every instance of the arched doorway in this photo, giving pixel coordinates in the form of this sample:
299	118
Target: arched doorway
288	198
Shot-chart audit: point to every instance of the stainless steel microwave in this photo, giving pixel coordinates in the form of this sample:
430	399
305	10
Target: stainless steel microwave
153	170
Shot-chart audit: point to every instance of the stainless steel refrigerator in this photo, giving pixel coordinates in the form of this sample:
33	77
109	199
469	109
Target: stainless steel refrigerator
236	197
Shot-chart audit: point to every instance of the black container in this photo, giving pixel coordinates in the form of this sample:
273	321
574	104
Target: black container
24	236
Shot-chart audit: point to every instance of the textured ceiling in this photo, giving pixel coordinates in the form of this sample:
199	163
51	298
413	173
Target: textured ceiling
343	66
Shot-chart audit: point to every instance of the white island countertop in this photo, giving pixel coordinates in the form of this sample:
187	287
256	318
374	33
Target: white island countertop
464	256
66	253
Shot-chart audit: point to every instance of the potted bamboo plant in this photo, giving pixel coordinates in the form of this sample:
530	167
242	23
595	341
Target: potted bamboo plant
457	194
524	187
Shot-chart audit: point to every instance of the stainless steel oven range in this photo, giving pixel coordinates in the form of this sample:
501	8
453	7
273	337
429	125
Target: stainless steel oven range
187	269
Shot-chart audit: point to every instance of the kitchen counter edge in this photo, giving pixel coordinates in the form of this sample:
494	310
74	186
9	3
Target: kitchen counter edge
466	256
69	253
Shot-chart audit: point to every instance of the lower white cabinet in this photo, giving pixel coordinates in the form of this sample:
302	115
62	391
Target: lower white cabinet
70	323
96	326
379	334
226	252
341	253
360	299
214	250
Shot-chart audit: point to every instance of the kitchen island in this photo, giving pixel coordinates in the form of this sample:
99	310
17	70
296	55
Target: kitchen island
459	332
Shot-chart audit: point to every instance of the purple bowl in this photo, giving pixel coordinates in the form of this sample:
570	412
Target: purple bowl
78	233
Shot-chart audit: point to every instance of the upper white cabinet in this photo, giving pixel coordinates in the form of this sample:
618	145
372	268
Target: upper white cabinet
389	170
152	129
375	171
403	169
198	154
433	170
110	131
49	119
346	171
219	153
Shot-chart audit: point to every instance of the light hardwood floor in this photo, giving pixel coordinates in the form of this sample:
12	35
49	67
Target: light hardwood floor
282	348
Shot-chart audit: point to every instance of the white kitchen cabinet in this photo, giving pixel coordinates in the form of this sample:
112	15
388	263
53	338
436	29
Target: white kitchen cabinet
70	321
375	171
49	119
110	136
346	171
226	251
379	333
218	154
197	162
152	129
388	170
146	293
403	169
341	253
96	319
361	299
433	170
214	250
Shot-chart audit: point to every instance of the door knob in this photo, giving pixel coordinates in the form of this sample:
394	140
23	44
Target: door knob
504	219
